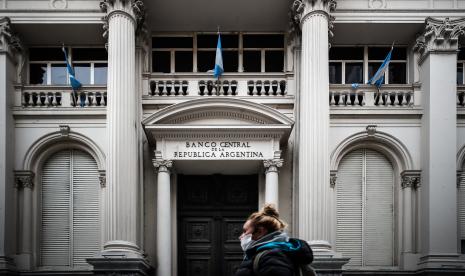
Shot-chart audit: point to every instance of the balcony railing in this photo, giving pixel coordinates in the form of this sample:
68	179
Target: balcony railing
400	96
461	96
46	96
200	85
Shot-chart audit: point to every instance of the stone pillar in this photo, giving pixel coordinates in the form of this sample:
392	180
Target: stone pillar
164	231
410	180
438	60
122	195
24	184
10	49
272	180
313	148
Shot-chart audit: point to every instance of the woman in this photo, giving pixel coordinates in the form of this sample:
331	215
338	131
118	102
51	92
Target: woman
268	251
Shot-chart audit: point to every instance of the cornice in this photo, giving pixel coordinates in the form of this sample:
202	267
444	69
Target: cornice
439	36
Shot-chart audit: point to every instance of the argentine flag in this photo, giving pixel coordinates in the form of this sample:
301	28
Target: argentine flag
218	71
75	84
378	78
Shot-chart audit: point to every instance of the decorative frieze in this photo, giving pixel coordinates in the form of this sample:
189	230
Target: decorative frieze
411	179
24	179
439	36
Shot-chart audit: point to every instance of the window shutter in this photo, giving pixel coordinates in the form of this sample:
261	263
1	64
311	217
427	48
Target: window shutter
55	234
461	209
86	219
349	207
378	240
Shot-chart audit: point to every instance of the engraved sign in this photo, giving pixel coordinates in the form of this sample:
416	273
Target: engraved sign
218	149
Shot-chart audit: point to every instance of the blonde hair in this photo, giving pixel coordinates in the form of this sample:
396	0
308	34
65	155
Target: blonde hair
268	218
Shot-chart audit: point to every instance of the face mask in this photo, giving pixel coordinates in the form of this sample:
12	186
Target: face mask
246	241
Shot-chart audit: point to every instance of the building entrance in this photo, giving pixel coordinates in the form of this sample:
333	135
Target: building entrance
211	212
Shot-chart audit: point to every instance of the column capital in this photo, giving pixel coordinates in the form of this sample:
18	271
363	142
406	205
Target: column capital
9	42
439	36
302	9
272	165
133	9
162	165
24	179
411	179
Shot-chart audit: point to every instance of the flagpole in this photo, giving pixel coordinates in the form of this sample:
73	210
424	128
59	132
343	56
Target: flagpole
218	78
73	93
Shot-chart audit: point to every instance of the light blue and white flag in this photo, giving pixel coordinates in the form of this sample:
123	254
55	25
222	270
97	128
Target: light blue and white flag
75	84
378	77
218	71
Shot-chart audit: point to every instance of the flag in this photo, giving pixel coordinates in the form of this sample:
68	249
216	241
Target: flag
218	71
75	84
378	77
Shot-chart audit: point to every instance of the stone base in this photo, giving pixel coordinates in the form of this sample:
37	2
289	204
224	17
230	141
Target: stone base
409	261
7	266
441	262
329	266
23	262
116	263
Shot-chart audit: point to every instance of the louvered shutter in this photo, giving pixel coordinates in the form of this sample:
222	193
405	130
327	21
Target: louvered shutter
349	207
461	211
55	234
86	220
378	230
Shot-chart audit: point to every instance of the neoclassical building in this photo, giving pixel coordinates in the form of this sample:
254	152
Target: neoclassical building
152	165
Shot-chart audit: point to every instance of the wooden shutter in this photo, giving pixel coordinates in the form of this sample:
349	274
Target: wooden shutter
70	209
378	234
461	210
55	234
349	207
86	219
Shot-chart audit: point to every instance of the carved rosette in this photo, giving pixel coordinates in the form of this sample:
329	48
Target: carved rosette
134	9
303	9
411	179
439	36
24	179
272	165
9	42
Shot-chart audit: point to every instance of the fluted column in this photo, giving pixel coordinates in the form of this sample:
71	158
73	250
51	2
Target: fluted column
10	50
438	60
121	219
314	172
164	230
272	180
24	184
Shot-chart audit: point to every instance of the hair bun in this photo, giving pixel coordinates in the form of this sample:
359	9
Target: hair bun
270	210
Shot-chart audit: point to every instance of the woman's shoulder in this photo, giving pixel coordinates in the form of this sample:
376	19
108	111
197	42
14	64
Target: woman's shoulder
275	262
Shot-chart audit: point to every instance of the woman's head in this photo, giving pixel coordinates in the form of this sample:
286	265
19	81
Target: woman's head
263	222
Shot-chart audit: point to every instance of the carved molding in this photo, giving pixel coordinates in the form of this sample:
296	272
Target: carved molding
332	179
64	130
411	179
9	42
102	177
439	36
134	9
24	179
371	130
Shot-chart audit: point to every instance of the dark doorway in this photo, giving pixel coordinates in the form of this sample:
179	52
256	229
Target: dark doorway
211	212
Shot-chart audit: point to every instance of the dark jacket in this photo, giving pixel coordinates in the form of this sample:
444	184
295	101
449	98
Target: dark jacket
283	255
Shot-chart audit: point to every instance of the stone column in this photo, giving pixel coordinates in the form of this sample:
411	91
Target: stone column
122	195
438	49
409	182
272	180
10	49
313	148
163	215
24	184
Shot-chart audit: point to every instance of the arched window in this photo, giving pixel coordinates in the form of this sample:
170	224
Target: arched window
70	210
364	194
461	210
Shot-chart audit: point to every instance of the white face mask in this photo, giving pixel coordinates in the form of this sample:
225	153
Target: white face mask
246	240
